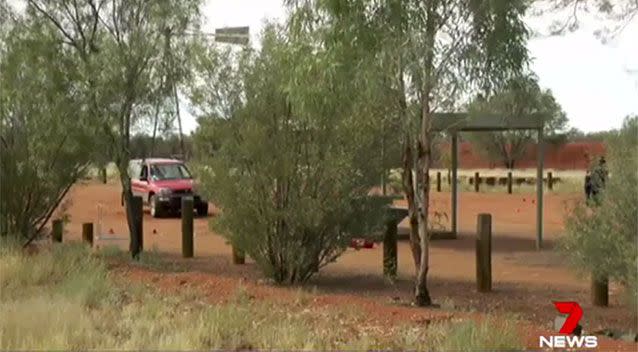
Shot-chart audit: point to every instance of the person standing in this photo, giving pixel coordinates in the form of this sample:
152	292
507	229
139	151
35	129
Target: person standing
595	180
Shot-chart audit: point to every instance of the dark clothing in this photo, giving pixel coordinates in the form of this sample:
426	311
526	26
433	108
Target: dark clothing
595	181
589	192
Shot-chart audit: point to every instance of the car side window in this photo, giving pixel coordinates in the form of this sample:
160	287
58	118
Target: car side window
144	172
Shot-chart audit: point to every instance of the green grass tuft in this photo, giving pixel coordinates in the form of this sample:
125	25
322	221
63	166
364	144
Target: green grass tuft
64	299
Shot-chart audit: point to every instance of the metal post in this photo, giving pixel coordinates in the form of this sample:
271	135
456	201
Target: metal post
438	181
477	180
455	155
539	191
550	181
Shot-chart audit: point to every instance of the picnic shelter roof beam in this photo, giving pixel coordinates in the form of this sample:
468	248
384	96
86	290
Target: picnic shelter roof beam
485	122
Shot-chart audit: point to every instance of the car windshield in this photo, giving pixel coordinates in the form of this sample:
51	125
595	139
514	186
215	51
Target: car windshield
169	172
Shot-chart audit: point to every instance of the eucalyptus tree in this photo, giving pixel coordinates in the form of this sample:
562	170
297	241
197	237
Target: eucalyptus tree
430	56
613	16
120	50
521	96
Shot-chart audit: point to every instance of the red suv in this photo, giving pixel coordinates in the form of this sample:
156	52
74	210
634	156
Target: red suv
162	183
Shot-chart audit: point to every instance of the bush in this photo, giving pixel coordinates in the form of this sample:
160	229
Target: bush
286	172
44	144
602	239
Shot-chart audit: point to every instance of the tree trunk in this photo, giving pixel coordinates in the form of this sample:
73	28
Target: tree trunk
422	295
127	192
383	169
408	188
424	161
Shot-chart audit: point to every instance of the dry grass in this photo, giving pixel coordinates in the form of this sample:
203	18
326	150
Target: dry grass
64	298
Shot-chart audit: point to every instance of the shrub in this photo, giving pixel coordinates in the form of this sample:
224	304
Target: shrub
44	143
287	171
602	239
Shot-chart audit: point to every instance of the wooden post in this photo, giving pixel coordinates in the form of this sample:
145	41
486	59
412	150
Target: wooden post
550	181
137	237
509	182
484	253
539	191
238	256
600	292
187	227
477	179
87	233
454	193
103	174
57	227
438	181
390	249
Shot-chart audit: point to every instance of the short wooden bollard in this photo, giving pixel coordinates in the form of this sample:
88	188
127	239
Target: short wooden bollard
600	292
390	249
509	182
87	233
477	179
137	237
57	229
550	181
187	227
438	181
238	256
484	253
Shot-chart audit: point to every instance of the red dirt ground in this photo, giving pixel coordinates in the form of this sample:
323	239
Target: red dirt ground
525	281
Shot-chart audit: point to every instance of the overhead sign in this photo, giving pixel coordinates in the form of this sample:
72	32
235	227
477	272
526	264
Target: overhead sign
233	35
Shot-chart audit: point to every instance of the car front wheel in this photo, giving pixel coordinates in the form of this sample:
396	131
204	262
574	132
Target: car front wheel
202	209
156	210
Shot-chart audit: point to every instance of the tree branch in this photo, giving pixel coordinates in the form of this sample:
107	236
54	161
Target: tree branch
55	22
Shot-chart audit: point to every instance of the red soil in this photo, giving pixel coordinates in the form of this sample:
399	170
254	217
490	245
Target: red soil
525	281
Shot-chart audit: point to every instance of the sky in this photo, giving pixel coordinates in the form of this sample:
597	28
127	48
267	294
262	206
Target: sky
588	78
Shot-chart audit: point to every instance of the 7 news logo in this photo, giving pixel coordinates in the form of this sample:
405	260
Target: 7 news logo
571	331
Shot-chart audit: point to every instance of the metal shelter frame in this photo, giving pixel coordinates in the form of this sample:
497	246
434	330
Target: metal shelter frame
454	123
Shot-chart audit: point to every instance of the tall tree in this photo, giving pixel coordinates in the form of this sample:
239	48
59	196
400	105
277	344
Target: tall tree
613	15
521	97
119	49
429	55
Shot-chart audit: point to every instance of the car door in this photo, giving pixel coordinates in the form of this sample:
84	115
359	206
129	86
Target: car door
139	184
134	174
